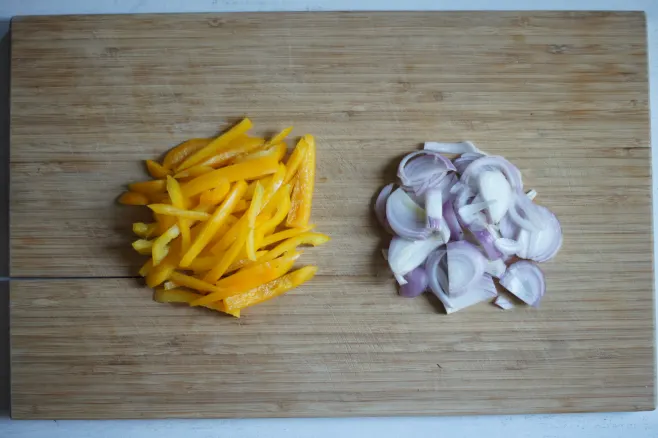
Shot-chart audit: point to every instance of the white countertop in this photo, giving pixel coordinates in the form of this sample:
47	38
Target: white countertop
603	425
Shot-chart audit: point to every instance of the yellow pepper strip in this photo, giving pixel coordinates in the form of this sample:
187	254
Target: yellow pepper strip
160	273
133	198
288	245
215	146
241	206
216	195
281	202
302	193
278	150
215	222
242	171
144	230
230	255
169	285
186	296
146	268
274	184
246	146
203	264
283	235
153	187
143	246
270	290
249	278
179	201
295	160
170	210
178	154
280	136
193	171
227	239
156	170
164	223
252	214
160	247
193	283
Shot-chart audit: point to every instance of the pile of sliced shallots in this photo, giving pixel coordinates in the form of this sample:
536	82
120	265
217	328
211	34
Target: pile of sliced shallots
458	224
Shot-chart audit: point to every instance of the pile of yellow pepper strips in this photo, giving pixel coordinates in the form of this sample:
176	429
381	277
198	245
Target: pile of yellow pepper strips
229	216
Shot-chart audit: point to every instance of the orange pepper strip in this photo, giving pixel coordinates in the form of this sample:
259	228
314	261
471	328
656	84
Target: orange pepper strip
278	150
283	235
160	247
302	194
153	187
156	170
243	171
193	283
193	172
270	290
278	138
133	198
215	196
230	255
170	210
185	296
178	154
179	201
217	145
314	239
144	230
143	246
235	150
295	160
249	278
146	268
252	214
215	222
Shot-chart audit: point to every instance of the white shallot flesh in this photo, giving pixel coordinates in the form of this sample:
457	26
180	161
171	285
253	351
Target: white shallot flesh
460	223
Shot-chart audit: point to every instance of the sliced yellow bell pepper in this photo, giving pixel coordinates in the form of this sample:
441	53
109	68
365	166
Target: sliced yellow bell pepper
235	150
206	263
180	202
274	183
295	160
230	255
185	296
283	235
270	290
278	150
164	222
146	268
193	172
227	239
167	285
314	239
241	206
178	154
302	193
144	230
249	278
217	145
143	246
133	198
278	138
242	171
252	214
156	170
193	283
160	247
170	210
280	202
153	187
215	196
215	222
160	273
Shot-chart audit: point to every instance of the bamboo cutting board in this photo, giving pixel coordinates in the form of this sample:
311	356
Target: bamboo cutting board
562	95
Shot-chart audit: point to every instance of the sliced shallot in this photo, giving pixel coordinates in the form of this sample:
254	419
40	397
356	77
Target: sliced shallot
405	217
406	255
465	267
452	148
526	281
380	207
416	283
423	169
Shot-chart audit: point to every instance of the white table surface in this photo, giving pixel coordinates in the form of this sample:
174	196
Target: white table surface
603	425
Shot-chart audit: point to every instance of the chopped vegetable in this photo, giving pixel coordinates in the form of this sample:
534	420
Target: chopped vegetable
219	238
476	197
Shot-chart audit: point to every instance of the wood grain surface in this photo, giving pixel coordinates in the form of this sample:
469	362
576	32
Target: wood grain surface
562	95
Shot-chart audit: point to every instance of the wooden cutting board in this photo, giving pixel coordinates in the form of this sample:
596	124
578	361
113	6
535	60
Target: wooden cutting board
562	95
